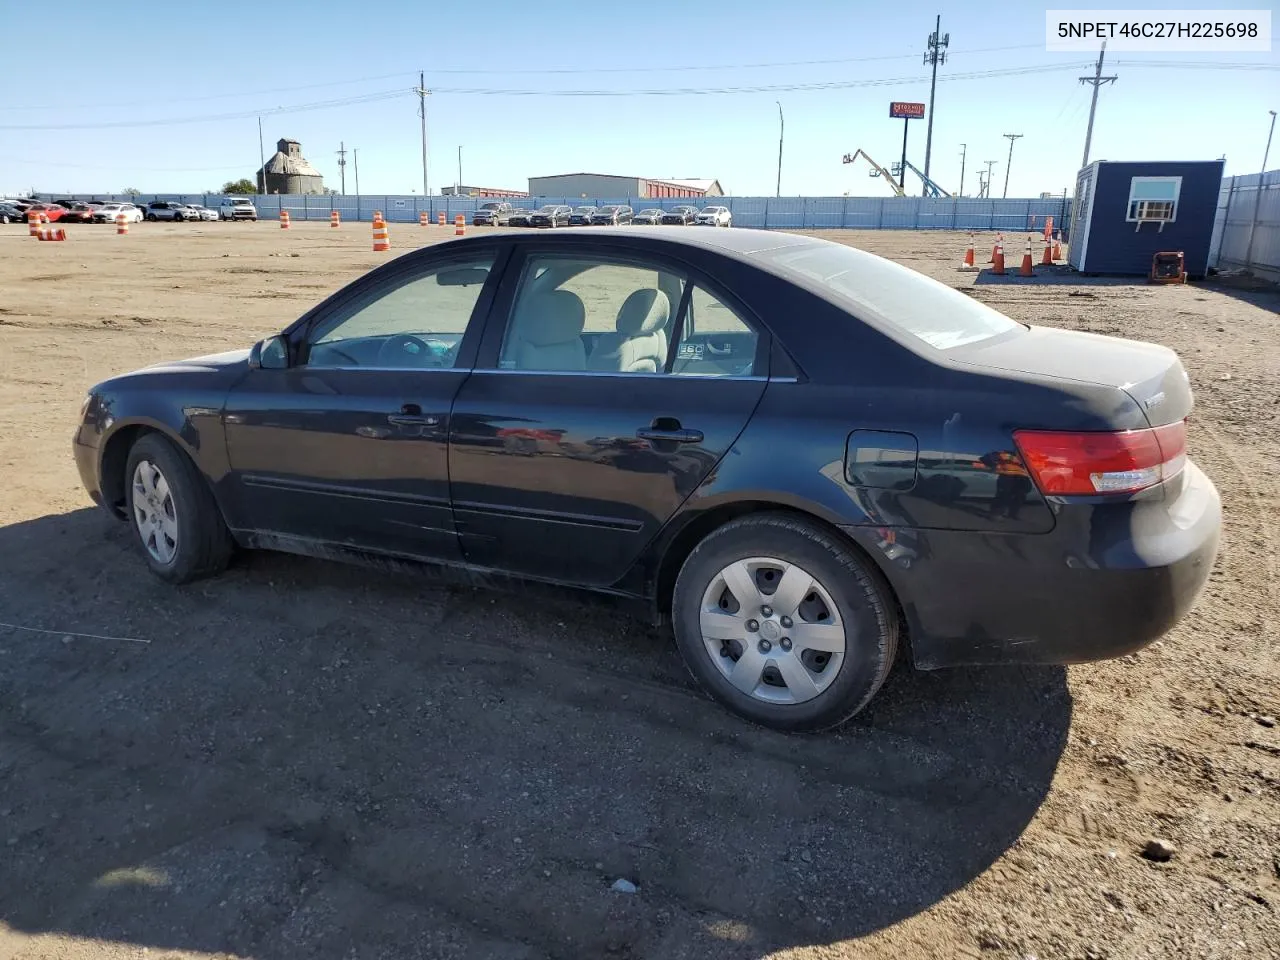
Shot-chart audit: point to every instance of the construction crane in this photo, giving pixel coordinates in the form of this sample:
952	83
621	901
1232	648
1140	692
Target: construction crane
876	170
931	189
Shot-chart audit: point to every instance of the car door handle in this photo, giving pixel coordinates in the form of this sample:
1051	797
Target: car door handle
411	415
403	421
668	429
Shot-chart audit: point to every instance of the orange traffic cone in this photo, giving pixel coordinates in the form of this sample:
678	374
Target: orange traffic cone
997	258
1057	245
381	237
1048	227
999	246
33	223
122	224
968	256
459	225
51	233
442	220
1025	270
1046	259
424	218
284	219
335	219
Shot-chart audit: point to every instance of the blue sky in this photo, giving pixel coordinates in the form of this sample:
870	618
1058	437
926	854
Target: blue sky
146	61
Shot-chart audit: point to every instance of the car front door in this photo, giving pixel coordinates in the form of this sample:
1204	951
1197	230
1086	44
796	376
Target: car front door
583	428
348	443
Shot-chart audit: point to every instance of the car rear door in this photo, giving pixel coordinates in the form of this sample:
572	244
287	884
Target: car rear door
348	445
563	465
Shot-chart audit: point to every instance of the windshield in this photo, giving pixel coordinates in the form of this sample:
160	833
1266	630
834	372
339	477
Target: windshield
549	208
491	206
650	213
585	210
711	210
607	210
875	289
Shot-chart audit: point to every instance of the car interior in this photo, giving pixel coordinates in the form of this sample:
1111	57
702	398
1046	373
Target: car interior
570	315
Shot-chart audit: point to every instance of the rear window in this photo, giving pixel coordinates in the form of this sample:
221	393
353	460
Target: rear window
879	290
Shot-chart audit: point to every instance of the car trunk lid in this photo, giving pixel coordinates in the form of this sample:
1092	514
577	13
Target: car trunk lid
1150	374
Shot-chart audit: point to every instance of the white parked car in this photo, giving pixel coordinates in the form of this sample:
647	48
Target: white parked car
237	208
106	213
714	217
202	213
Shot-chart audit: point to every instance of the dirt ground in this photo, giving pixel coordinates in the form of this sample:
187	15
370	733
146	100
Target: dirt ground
309	760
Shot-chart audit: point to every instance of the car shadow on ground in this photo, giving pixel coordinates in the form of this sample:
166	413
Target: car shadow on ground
314	760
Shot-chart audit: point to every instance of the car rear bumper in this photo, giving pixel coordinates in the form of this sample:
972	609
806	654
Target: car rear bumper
1109	579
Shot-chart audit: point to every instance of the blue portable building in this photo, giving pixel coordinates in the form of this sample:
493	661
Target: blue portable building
1126	213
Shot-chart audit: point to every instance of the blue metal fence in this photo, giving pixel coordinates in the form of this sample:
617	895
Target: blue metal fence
773	213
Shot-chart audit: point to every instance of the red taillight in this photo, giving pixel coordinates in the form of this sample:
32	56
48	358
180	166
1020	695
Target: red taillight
1091	463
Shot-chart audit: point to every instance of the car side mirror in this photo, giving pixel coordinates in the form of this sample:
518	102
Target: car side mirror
270	354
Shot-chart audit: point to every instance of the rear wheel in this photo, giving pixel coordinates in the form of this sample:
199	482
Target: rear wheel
783	623
173	513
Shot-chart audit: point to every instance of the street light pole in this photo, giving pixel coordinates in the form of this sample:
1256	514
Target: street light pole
964	148
459	169
1257	197
782	129
1009	164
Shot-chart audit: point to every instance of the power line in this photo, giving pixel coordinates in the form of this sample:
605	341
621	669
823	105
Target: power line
762	88
481	91
207	118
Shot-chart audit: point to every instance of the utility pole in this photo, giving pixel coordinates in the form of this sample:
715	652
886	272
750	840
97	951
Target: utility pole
1009	166
986	185
1257	197
964	148
782	129
342	165
262	155
422	92
459	191
1096	80
355	162
934	55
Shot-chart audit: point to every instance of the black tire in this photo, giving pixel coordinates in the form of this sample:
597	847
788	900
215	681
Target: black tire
152	217
859	591
204	544
4	218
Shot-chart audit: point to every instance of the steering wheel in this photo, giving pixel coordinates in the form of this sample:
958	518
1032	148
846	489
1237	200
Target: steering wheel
401	347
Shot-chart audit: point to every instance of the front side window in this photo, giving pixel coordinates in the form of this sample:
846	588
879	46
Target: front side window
1154	198
408	324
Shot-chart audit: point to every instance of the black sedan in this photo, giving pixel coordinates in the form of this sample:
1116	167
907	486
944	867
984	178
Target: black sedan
552	215
11	214
647	218
520	218
581	216
680	216
799	453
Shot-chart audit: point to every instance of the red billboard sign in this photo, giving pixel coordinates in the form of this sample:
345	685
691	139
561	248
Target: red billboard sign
901	110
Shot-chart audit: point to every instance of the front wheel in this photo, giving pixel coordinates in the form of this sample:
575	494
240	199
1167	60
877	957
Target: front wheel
173	513
784	623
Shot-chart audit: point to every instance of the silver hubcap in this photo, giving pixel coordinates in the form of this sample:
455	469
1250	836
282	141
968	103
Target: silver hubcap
773	630
153	512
